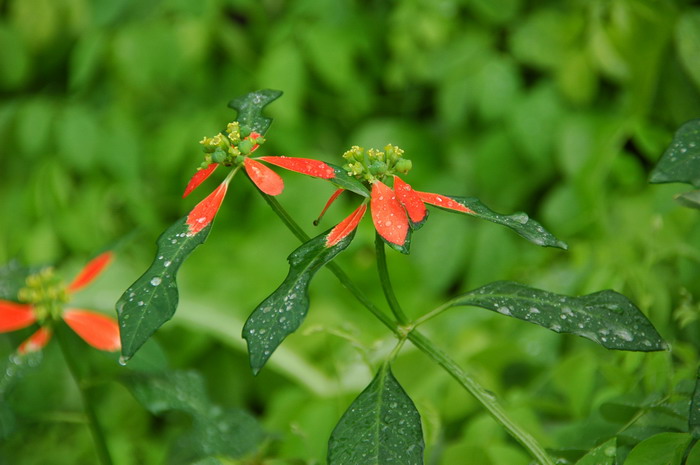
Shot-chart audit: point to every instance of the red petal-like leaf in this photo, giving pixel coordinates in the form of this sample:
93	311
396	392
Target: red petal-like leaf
254	135
205	211
15	316
442	201
409	198
328	204
199	178
267	180
346	227
388	215
36	341
315	168
91	271
100	331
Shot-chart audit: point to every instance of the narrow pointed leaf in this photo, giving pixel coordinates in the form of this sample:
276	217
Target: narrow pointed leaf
15	316
307	166
198	178
283	311
250	107
518	222
263	177
100	331
91	271
152	299
343	180
690	199
694	416
681	160
389	217
605	317
381	426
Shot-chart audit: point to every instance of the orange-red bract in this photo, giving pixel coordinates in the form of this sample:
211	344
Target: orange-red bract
204	212
98	330
345	227
267	180
388	214
91	271
14	316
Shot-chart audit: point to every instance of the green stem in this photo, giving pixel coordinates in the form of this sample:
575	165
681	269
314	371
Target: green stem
386	282
486	398
98	436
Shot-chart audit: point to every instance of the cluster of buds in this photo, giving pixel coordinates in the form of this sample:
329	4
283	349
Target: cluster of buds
46	293
372	165
230	148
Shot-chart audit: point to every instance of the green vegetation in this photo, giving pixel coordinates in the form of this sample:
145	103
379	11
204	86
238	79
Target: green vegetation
559	109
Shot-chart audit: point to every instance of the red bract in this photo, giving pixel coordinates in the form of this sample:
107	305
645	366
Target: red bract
263	177
394	212
99	331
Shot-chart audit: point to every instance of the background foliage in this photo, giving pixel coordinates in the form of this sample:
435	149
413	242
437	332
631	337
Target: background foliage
559	109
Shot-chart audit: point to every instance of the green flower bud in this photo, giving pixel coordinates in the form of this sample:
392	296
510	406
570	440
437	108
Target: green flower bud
403	165
378	168
245	146
245	131
219	156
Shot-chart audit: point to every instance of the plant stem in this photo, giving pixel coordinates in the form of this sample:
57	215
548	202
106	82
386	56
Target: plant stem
98	436
486	398
386	282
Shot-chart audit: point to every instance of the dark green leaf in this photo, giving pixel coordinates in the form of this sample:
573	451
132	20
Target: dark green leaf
215	431
381	426
518	222
662	449
283	311
250	107
690	199
694	416
681	160
343	180
605	317
12	279
173	390
602	455
7	421
152	300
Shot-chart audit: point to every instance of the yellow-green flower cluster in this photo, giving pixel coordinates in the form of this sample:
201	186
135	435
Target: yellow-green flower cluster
371	165
46	293
231	147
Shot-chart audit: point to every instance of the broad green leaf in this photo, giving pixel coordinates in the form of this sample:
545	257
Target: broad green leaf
694	415
690	199
381	426
604	454
681	160
694	455
215	431
283	311
661	449
172	390
605	317
250	106
521	223
152	300
343	180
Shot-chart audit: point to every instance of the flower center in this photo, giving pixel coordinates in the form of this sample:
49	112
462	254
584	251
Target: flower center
231	148
374	165
46	293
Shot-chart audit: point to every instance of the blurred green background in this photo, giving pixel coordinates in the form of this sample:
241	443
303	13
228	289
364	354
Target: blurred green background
556	108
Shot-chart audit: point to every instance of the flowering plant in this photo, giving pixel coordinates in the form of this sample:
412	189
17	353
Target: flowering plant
382	425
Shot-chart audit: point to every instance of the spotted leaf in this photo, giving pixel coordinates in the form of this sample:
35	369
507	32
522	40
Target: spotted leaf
681	160
605	317
518	222
152	300
250	107
381	426
283	311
